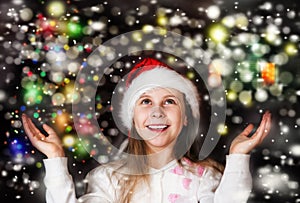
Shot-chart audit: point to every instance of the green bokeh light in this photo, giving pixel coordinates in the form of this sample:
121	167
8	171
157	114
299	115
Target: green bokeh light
33	95
74	29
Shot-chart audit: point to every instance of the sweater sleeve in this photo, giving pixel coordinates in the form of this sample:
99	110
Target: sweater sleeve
59	183
60	186
234	186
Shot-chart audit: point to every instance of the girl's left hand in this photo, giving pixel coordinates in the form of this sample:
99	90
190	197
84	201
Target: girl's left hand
243	144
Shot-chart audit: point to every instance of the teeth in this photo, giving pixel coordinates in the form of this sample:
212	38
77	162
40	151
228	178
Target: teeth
157	126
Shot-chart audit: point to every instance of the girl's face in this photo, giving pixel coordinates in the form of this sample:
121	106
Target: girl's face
159	116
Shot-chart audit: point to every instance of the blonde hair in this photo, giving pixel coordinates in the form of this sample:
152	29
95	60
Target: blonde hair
136	165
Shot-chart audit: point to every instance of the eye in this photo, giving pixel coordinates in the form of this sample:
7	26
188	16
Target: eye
146	101
170	101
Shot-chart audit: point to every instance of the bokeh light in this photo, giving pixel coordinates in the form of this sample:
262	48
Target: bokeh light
56	8
218	33
252	47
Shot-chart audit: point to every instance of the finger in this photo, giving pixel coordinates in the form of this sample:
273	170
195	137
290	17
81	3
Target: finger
268	124
31	130
35	130
261	129
27	126
267	127
247	130
49	130
30	134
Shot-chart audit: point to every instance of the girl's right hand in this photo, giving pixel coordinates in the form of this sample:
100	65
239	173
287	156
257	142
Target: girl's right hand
49	145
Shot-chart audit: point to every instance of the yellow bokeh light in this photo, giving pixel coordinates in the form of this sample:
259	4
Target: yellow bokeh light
68	140
171	59
228	21
162	31
137	36
66	47
149	45
290	49
147	28
218	33
222	129
190	75
56	8
99	106
231	96
241	21
67	80
52	23
245	97
95	77
162	20
270	37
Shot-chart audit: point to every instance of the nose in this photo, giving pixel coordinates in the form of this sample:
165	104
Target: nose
157	112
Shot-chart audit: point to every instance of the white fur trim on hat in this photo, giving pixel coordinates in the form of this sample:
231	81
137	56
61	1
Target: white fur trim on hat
157	77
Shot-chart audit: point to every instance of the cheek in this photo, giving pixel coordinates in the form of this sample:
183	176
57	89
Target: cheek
179	117
139	116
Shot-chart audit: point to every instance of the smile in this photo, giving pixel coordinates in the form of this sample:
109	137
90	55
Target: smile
157	127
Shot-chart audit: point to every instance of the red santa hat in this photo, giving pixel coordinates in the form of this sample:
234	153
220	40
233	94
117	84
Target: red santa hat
149	74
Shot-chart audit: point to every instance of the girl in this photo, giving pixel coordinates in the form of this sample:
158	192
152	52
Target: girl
160	109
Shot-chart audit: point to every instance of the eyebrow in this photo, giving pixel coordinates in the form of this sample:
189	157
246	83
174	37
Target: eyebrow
147	95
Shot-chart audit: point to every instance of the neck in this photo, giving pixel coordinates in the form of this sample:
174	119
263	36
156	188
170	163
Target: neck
159	159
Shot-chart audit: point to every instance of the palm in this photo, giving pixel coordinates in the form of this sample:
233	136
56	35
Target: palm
243	144
50	145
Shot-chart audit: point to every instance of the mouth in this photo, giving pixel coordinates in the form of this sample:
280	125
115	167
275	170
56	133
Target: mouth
157	127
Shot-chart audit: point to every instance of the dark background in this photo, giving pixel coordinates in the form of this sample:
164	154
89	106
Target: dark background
274	165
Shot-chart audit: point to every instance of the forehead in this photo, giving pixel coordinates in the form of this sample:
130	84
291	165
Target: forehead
162	91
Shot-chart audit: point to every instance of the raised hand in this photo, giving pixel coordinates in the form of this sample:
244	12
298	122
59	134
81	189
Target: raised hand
49	145
243	144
